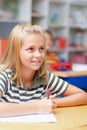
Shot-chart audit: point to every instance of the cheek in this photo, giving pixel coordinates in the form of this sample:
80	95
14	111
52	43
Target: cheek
43	55
23	56
26	57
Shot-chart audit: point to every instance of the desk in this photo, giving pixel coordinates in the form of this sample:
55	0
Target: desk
66	74
77	78
68	118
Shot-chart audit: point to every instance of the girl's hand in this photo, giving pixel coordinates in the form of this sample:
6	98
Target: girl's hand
45	105
52	96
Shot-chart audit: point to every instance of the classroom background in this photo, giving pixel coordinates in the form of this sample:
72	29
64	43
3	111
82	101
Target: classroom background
66	19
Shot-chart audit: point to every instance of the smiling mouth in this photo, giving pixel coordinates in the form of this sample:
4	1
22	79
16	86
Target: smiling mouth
36	62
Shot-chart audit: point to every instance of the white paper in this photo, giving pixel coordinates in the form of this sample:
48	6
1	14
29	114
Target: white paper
30	118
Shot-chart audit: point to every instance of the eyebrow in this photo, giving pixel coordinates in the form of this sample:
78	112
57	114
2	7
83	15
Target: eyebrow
31	45
42	44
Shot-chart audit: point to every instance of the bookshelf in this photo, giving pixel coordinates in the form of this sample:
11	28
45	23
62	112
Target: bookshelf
67	19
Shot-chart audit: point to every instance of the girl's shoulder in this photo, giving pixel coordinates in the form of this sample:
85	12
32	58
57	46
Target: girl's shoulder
6	73
51	74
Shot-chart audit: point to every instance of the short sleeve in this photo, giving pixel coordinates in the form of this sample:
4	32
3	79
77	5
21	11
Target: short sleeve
3	82
56	84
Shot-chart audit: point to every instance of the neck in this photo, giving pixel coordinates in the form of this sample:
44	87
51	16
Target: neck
27	79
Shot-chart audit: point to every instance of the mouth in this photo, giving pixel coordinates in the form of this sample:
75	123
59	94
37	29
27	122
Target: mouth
36	62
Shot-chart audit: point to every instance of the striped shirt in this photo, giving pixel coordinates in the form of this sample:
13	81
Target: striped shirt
18	94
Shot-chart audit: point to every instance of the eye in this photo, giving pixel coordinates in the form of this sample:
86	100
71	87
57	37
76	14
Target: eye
30	49
42	49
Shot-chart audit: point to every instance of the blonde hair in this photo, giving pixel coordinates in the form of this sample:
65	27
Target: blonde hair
11	58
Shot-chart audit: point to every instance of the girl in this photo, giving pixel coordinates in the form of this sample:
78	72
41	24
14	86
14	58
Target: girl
24	78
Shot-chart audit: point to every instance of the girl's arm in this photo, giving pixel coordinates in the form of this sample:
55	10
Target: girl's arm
73	96
37	107
13	109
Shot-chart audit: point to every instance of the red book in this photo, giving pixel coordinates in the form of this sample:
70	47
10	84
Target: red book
3	46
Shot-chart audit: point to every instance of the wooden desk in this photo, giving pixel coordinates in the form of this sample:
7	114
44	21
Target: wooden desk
67	74
68	118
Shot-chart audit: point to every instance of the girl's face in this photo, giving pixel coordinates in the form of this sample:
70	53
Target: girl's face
32	52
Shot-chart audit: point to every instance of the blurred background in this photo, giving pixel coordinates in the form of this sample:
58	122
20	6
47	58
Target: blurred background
66	19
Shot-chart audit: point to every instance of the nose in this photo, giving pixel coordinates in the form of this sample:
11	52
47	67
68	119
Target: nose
37	53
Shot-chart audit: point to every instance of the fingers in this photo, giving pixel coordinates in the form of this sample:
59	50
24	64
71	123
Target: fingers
52	96
55	105
50	102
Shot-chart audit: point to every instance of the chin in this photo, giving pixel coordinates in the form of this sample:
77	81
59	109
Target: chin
36	68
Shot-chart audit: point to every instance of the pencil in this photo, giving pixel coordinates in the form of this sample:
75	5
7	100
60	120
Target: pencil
48	93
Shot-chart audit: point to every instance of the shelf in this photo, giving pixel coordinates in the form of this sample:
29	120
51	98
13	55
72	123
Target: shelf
62	17
57	26
78	49
58	1
63	26
57	50
78	27
37	15
78	3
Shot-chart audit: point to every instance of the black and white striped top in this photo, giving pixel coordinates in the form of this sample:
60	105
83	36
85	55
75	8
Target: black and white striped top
18	94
